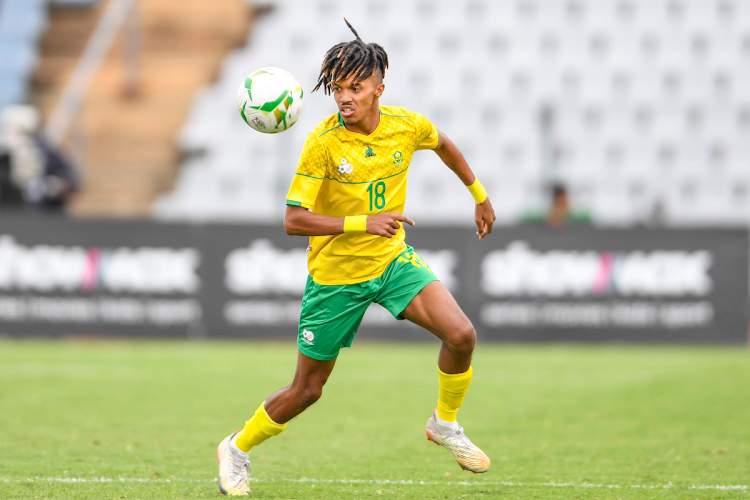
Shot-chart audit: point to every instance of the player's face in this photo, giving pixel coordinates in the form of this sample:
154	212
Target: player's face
356	99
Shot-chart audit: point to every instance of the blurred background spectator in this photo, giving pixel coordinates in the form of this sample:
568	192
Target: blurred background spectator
33	175
560	212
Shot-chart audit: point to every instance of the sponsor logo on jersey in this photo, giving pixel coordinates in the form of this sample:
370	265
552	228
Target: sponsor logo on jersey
369	152
345	167
308	337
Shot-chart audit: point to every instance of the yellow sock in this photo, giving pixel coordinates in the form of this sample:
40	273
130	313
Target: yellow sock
257	429
452	391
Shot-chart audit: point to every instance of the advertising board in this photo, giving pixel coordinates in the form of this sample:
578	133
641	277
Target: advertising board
523	283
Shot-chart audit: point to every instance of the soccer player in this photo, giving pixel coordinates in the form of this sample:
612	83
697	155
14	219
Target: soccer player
348	196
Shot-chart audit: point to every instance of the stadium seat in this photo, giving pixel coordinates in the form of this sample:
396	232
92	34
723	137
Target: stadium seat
18	58
23	19
22	23
74	3
12	90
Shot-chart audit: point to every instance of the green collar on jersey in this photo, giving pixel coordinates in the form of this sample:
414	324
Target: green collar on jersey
341	119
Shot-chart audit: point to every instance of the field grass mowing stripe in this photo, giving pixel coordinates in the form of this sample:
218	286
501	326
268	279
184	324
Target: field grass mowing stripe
727	487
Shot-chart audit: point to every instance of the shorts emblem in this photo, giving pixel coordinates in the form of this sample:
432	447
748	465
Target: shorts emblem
308	337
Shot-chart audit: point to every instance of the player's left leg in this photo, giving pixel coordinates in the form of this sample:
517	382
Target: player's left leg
411	291
435	310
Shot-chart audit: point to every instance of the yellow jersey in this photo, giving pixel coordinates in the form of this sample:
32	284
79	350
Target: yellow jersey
343	173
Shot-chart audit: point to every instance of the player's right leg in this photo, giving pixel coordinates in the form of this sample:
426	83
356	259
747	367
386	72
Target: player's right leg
269	420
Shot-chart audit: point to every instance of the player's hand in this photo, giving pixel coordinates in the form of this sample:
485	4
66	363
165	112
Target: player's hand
386	224
484	216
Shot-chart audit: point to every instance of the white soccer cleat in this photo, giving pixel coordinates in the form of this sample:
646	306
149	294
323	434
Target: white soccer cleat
466	453
234	468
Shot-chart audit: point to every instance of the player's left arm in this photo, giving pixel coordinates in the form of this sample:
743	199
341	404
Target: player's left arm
484	214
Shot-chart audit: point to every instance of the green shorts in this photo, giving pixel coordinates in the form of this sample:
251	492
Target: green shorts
331	314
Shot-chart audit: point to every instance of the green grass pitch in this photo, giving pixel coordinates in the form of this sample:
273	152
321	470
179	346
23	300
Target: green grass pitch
141	420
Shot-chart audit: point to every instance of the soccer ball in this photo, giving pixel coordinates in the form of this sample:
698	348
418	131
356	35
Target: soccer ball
270	100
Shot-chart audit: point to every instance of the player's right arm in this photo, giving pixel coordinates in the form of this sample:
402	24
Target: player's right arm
299	219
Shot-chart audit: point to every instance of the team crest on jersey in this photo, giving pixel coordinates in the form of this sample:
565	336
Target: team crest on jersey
345	167
398	158
369	152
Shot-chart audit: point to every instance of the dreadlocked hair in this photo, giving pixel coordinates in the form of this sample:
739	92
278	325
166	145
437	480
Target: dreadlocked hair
355	58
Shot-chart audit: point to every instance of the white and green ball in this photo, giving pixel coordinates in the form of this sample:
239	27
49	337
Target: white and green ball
270	100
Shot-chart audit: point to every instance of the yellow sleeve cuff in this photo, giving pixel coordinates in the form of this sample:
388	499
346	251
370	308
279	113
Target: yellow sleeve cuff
355	224
478	191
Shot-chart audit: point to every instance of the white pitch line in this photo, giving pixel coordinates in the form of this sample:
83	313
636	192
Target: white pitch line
733	487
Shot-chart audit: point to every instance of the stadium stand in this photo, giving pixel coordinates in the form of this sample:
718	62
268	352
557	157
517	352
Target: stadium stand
125	140
22	22
649	103
75	3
